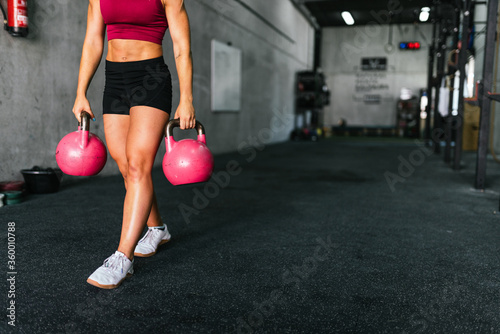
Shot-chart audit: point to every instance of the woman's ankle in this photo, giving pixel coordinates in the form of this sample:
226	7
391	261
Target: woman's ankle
156	224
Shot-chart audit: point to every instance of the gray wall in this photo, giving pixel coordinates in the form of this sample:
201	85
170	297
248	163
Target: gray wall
39	76
342	50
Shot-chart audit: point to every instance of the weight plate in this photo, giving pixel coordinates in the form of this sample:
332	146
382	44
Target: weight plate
13	201
13	194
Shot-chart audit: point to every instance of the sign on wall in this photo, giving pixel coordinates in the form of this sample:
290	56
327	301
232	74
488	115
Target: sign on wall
374	64
369	82
226	77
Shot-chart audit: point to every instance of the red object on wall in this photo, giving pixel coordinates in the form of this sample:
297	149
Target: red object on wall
409	45
17	17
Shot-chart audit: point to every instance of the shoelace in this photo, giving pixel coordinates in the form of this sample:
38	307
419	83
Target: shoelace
149	235
114	262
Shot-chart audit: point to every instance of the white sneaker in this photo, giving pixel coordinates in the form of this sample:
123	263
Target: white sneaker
113	271
151	240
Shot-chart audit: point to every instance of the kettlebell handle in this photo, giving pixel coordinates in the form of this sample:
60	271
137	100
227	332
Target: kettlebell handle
174	123
84	129
84	123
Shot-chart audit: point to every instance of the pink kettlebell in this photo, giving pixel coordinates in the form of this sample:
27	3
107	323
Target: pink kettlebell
188	160
81	153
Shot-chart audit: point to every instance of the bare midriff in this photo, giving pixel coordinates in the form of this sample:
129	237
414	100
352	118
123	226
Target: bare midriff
123	50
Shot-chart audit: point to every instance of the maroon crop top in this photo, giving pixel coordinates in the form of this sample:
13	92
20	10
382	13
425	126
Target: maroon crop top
142	20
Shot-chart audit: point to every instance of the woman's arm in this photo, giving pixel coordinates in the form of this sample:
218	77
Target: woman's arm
91	57
178	23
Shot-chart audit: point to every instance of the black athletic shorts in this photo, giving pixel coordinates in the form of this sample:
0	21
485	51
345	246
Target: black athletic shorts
137	83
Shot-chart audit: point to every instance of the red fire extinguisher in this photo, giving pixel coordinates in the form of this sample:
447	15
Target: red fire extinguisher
16	21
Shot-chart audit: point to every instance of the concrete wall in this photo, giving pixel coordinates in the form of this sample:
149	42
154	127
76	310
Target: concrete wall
38	76
480	17
342	50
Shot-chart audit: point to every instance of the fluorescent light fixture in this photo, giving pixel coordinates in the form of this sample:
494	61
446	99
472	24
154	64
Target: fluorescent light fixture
348	19
424	14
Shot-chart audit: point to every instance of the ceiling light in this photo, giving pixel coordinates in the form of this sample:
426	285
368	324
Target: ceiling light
348	19
424	14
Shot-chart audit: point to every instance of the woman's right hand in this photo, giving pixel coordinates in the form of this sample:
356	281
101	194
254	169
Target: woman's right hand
82	104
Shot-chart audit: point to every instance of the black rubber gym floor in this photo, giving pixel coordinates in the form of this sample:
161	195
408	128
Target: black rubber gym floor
299	237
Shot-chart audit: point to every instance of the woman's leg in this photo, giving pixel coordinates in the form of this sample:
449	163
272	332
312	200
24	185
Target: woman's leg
145	131
116	129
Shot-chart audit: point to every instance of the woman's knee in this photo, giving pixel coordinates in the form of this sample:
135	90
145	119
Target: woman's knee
138	168
123	167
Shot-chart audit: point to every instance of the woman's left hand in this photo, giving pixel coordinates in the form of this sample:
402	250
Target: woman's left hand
186	114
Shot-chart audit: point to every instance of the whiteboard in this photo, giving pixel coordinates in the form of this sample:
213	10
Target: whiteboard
226	77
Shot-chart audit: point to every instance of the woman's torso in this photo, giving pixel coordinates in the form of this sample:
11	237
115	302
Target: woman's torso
135	28
121	50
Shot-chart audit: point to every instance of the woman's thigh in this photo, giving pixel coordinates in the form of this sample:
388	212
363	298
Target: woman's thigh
116	129
146	130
